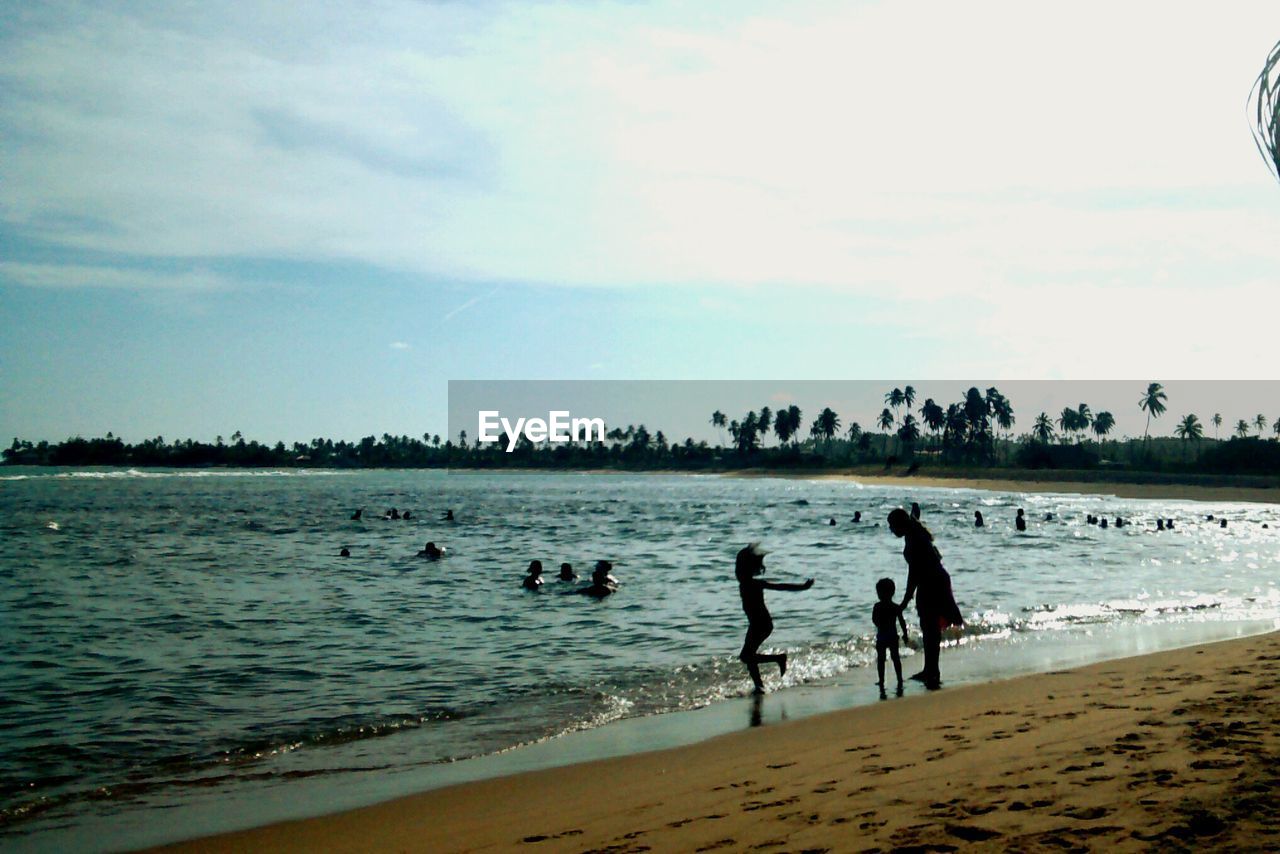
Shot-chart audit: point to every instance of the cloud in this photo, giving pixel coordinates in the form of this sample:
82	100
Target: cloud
932	151
399	345
73	276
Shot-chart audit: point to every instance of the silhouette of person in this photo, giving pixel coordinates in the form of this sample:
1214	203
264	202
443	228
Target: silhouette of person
1102	523
1159	524
832	521
748	564
356	516
887	616
533	580
447	517
1168	523
406	515
1119	522
1020	522
346	552
915	511
431	552
930	584
977	519
857	516
393	513
1222	523
567	573
602	583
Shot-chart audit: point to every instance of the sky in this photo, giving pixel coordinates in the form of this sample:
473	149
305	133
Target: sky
305	220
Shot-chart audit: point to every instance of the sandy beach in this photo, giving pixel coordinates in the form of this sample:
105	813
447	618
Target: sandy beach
1174	750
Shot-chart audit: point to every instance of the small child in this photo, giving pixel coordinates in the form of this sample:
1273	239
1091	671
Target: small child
749	564
883	615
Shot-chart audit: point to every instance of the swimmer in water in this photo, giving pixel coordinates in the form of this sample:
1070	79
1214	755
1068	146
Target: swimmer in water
977	519
346	552
602	583
447	517
407	515
567	573
431	552
1020	522
857	516
356	516
832	521
915	511
747	566
533	580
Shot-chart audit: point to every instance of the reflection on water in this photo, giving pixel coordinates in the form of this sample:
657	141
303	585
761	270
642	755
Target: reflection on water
167	632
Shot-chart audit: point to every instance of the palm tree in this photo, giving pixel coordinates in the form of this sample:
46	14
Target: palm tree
1217	422
1084	417
1103	423
1000	409
909	432
828	423
1261	423
854	432
895	399
909	397
1153	404
764	422
1275	428
1043	428
718	421
1188	430
1242	428
782	426
933	416
886	420
1264	102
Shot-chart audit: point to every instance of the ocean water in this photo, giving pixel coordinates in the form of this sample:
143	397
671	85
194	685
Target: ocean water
171	638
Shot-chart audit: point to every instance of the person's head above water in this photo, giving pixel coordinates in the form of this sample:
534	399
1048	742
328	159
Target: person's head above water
566	571
600	574
749	562
885	589
902	525
535	567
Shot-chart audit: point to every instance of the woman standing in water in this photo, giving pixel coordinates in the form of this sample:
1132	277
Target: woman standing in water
749	564
930	584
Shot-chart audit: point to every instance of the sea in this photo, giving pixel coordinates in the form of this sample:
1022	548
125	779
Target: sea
186	651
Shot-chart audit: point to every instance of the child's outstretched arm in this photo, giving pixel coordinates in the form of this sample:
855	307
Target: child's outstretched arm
770	585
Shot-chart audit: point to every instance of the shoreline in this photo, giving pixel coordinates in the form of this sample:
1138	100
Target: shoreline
1175	747
1171	491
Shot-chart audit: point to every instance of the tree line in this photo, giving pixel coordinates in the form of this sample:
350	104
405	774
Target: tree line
975	431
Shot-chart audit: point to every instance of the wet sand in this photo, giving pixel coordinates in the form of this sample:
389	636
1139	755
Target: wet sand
1173	751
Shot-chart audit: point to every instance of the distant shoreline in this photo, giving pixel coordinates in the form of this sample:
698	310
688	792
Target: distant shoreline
1221	488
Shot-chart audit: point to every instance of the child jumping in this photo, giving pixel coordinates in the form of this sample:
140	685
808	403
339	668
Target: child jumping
749	564
883	615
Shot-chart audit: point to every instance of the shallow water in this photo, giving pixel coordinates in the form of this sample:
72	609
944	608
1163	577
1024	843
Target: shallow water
167	634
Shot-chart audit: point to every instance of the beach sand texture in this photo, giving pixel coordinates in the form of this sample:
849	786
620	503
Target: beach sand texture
1169	751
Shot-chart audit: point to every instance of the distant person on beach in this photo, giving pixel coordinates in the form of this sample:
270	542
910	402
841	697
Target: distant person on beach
602	583
887	616
977	519
567	573
533	580
749	564
1159	524
1020	522
431	552
930	584
356	516
915	511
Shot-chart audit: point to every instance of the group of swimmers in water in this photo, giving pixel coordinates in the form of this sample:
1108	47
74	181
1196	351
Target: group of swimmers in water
602	581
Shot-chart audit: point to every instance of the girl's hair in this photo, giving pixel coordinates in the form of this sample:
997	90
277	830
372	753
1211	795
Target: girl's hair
914	527
749	557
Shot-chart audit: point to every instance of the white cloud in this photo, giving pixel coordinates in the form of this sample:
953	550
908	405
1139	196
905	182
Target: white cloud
922	151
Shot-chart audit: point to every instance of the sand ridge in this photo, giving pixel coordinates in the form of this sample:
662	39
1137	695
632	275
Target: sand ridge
1172	751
